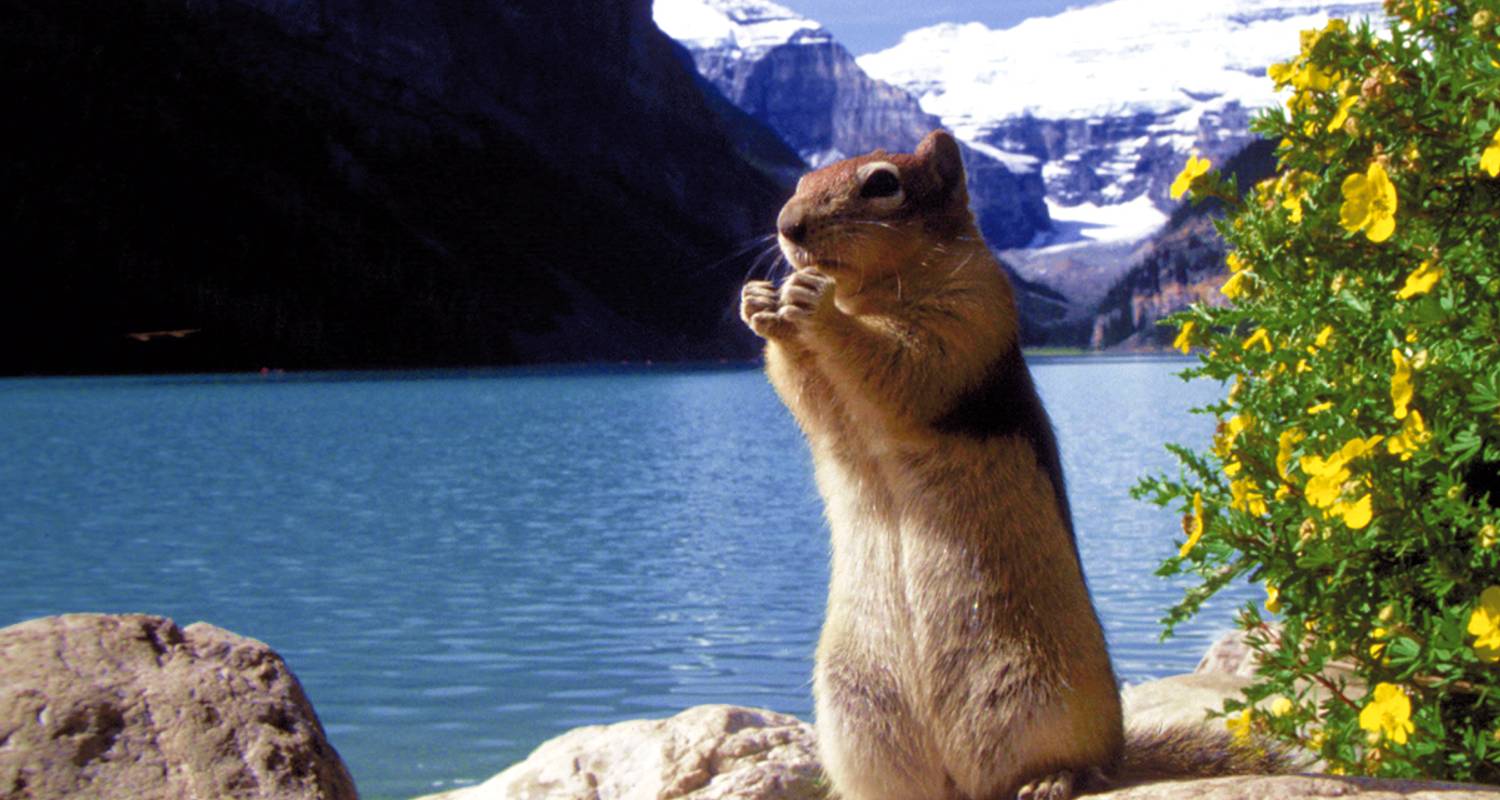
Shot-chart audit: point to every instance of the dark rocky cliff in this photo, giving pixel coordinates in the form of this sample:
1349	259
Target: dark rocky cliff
812	92
367	183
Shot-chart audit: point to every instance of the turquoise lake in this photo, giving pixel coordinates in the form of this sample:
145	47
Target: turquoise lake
460	566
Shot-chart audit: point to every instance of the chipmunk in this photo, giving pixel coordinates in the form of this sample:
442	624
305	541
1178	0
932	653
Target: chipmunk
961	657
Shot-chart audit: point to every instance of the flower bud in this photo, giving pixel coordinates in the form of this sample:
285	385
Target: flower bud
1307	530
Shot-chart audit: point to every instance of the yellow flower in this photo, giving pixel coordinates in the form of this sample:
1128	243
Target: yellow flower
1323	488
1229	431
1195	167
1244	496
1421	9
1281	706
1293	205
1401	387
1292	187
1260	337
1234	262
1421	280
1323	337
1326	478
1388	714
1184	340
1288	439
1312	78
1239	726
1342	114
1273	599
1235	286
1484	623
1319	407
1412	436
1488	536
1195	529
1282	72
1356	447
1369	204
1489	160
1356	515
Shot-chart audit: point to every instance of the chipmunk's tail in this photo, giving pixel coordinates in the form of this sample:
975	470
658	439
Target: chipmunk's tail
1196	751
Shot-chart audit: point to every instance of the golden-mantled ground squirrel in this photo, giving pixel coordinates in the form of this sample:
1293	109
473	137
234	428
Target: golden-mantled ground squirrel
961	657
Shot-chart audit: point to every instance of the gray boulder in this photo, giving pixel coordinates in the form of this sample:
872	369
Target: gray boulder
132	706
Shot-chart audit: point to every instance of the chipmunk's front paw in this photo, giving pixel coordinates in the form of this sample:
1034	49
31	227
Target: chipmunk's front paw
757	297
759	304
806	295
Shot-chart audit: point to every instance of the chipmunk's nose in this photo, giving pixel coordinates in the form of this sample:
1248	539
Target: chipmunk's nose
792	222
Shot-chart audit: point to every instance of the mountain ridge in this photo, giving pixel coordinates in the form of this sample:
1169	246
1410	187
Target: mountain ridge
1100	104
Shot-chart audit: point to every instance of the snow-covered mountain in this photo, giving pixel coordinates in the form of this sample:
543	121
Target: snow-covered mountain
1108	99
790	73
1090	113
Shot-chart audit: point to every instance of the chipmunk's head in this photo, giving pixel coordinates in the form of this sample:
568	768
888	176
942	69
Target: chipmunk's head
872	215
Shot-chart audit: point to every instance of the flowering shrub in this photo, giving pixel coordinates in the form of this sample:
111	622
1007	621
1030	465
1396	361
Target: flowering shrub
1355	471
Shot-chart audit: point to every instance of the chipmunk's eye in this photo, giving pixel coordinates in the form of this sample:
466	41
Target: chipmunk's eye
880	183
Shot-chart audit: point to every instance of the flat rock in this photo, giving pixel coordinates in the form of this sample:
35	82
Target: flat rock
732	752
704	753
132	706
1291	787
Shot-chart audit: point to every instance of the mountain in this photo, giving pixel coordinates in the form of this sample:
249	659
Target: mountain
1108	100
368	183
790	73
1180	265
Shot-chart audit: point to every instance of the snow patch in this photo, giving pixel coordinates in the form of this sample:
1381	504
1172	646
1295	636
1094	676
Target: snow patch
746	25
1019	163
1090	223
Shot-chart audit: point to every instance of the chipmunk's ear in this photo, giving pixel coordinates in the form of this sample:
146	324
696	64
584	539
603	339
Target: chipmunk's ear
939	151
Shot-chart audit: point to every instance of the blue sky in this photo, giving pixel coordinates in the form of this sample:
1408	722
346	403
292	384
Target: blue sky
865	26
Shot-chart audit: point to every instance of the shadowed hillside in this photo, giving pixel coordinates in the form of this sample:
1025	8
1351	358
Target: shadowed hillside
378	184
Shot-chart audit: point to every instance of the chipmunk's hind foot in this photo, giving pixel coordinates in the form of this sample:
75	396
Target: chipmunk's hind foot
1057	786
1065	785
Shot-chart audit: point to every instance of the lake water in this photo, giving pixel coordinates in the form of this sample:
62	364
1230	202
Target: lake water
460	566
